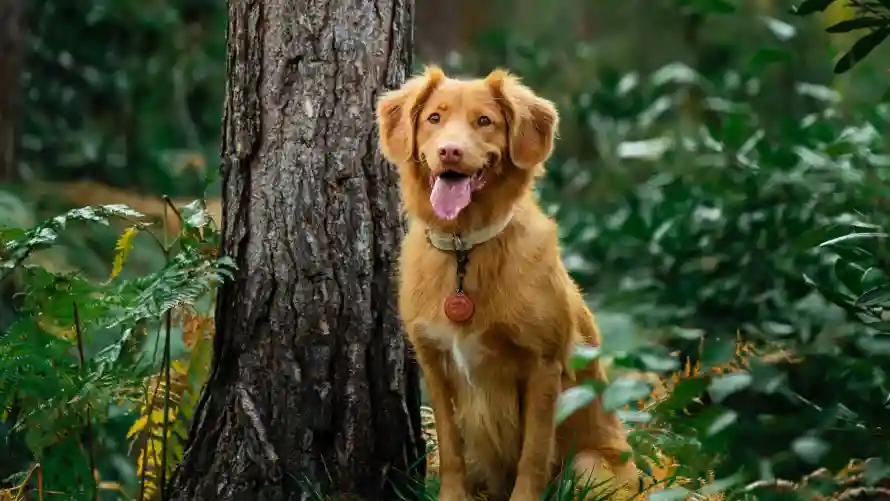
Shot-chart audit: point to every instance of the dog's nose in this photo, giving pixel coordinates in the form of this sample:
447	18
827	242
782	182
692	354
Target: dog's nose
450	153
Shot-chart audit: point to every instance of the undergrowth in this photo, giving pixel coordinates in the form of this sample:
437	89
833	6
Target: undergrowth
92	362
87	353
85	356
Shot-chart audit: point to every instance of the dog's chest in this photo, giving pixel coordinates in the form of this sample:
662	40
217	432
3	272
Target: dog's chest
465	348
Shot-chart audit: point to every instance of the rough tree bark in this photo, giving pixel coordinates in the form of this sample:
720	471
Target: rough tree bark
313	390
11	48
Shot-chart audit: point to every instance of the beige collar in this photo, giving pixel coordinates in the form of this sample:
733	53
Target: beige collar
454	242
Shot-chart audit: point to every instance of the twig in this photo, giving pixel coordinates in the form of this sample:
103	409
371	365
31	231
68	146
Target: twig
173	206
864	6
88	436
862	492
21	489
144	227
165	363
39	482
778	484
166	368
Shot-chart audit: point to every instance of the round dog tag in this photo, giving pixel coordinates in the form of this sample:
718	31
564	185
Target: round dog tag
459	307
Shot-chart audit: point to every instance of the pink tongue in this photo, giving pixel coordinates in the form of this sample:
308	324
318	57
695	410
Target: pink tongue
450	196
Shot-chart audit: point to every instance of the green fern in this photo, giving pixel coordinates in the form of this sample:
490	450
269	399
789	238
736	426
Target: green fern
52	389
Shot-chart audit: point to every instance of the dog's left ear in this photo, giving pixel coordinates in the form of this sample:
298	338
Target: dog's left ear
532	120
397	112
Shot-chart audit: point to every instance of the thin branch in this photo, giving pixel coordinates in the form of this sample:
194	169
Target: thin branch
39	482
88	436
167	368
144	227
173	206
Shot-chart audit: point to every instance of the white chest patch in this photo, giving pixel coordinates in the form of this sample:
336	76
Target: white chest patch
465	347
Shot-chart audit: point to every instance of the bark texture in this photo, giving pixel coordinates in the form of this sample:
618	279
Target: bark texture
313	390
11	49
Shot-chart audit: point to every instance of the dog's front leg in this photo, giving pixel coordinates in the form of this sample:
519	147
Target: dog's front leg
452	470
539	431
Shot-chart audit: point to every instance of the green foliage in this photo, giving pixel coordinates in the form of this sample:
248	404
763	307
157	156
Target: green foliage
694	203
873	16
723	237
129	93
79	354
735	193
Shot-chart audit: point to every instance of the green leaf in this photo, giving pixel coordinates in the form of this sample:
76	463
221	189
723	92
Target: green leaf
810	6
688	334
876	470
722	422
727	384
872	277
634	416
720	485
659	363
809	449
767	378
857	24
850	275
860	49
582	355
195	215
837	297
879	295
883	327
717	352
875	345
572	400
853	236
684	393
839	149
624	391
670	494
782	30
777	329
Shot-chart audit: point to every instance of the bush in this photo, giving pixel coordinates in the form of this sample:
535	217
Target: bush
86	361
772	232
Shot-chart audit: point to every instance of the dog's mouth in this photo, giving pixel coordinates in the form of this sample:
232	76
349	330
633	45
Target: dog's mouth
452	192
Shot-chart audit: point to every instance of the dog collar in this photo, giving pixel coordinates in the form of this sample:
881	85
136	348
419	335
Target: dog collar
456	242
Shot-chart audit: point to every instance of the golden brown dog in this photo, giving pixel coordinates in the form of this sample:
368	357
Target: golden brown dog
468	152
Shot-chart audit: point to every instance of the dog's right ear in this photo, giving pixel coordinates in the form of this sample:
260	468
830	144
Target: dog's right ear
397	113
532	120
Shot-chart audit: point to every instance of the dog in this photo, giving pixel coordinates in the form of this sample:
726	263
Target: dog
487	304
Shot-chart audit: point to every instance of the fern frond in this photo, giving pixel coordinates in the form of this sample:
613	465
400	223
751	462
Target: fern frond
187	377
45	234
149	428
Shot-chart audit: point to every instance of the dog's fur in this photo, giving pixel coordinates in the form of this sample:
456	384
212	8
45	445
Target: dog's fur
494	380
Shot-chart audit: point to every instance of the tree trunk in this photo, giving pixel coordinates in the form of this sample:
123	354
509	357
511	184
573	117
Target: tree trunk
313	391
11	48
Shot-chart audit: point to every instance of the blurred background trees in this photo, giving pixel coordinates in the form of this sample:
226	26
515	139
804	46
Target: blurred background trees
707	150
11	40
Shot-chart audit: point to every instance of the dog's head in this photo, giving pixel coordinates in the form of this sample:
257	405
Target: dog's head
465	146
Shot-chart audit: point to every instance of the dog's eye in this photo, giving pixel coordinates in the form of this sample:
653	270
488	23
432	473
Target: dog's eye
434	118
483	121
